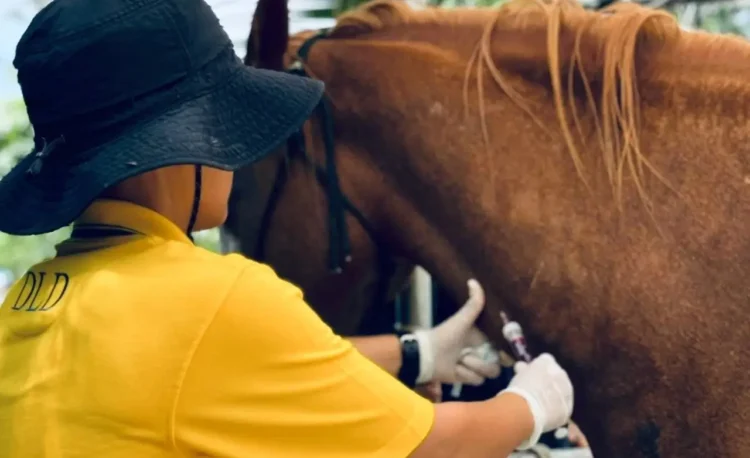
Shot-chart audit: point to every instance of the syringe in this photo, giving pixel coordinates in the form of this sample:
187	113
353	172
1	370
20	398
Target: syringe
513	334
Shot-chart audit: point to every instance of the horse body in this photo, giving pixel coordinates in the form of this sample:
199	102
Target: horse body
616	236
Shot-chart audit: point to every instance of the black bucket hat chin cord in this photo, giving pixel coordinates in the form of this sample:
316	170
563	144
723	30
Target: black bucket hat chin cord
196	201
47	148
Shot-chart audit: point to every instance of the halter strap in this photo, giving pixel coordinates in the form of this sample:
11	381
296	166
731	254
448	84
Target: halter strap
339	243
196	201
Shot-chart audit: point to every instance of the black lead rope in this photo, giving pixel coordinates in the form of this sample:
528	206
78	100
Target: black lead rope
339	241
338	204
339	244
340	254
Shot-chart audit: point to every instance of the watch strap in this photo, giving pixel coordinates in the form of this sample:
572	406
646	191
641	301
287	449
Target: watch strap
410	360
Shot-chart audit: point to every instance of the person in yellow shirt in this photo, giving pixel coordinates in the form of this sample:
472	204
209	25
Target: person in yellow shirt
132	341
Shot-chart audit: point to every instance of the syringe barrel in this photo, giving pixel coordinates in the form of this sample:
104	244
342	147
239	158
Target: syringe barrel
514	335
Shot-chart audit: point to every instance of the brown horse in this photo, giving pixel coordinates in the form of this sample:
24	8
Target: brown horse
590	169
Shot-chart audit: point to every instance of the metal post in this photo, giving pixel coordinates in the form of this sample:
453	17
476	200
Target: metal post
420	313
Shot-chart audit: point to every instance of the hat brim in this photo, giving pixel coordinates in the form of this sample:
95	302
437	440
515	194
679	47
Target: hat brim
234	125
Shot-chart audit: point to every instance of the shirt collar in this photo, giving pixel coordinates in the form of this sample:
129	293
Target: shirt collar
117	214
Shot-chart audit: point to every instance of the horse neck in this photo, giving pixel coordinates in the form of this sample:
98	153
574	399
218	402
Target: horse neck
589	283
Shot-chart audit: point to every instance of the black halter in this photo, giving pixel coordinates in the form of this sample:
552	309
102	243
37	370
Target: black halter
339	245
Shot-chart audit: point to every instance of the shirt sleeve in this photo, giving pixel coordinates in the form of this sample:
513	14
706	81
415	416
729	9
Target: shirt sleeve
270	379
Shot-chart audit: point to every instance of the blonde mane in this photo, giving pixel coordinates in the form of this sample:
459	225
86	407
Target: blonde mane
614	41
378	15
616	34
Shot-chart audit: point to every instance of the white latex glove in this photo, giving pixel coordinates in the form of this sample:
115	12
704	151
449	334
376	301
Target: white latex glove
448	353
547	389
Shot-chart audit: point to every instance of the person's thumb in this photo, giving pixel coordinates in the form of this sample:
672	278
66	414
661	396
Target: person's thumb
520	366
469	312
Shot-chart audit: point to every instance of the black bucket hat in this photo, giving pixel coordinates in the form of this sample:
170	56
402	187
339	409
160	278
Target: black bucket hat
115	88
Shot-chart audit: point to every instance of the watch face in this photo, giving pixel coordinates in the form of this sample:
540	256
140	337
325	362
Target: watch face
408	337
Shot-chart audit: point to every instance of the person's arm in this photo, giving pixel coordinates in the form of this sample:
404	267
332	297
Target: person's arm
487	429
269	378
384	350
443	356
537	400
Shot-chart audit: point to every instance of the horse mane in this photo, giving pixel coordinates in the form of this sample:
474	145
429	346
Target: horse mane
612	48
373	16
584	47
378	15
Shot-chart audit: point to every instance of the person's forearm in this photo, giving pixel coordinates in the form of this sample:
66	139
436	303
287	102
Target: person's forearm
383	350
487	429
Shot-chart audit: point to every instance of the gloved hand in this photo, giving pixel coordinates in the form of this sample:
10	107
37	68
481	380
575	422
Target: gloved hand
547	389
446	353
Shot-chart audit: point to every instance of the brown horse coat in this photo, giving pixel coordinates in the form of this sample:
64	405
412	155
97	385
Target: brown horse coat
590	169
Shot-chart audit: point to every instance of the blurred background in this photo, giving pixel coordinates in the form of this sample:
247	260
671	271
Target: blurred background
18	253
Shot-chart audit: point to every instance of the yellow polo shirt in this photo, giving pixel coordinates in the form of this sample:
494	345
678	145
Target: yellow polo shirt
134	343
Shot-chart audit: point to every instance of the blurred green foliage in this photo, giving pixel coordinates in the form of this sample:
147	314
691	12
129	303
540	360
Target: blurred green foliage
18	253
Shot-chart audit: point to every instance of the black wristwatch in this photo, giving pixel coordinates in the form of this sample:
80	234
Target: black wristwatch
409	359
